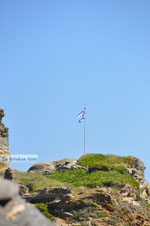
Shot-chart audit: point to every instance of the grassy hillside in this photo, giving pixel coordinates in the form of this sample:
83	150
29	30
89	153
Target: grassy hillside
97	179
35	181
91	198
80	177
100	161
117	174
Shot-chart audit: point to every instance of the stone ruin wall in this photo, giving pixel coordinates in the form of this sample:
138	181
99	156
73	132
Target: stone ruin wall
4	142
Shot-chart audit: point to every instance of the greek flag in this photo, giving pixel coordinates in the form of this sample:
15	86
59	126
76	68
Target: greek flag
81	115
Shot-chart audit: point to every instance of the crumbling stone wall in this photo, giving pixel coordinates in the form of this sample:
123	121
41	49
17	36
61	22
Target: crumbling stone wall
4	143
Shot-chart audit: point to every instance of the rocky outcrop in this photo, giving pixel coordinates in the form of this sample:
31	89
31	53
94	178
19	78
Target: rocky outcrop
14	211
49	194
10	175
23	190
137	171
3	129
102	207
60	165
54	193
41	167
4	144
117	203
119	206
139	166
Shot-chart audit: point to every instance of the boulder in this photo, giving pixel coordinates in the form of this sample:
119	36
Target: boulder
14	211
139	166
60	165
41	167
8	190
9	174
23	190
94	169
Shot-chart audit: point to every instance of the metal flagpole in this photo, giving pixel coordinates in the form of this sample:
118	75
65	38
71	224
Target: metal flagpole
82	117
85	132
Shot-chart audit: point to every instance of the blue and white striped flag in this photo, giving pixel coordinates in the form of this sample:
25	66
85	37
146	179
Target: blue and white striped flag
81	115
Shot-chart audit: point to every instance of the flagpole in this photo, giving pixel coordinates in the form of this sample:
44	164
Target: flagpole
82	117
85	133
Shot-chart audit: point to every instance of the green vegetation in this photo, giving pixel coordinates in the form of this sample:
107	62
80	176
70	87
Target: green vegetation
99	178
110	161
117	174
43	208
35	181
144	202
2	174
101	214
147	205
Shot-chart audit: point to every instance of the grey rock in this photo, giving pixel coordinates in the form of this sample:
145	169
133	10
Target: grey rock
60	165
41	167
14	211
139	166
138	173
48	167
8	174
94	169
8	189
50	194
66	215
54	193
46	172
75	167
23	190
67	197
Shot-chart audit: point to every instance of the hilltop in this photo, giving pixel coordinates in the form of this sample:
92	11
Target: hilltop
95	190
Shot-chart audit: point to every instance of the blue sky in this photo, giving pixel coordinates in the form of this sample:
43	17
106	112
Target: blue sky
58	56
